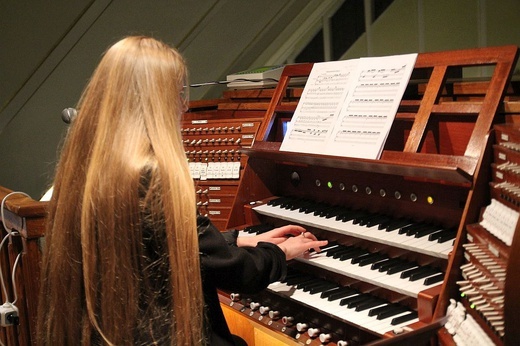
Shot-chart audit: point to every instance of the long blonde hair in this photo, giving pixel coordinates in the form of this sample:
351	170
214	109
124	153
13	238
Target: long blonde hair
121	264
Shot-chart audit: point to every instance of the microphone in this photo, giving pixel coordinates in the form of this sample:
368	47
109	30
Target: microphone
68	114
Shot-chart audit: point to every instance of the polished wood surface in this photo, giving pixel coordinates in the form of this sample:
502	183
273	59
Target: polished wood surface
439	146
26	217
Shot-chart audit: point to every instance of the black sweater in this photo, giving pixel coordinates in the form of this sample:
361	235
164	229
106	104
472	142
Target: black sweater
228	267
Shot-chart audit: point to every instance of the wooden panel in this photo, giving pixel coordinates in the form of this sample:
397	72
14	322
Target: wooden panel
438	147
26	247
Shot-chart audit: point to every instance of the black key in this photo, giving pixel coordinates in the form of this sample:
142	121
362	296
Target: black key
407	228
323	287
428	230
395	310
434	279
384	309
362	255
342	250
301	205
367	218
408	273
337	290
343	213
354	253
449	235
275	202
286	202
296	203
401	267
348	215
404	318
359	219
324	211
342	294
258	229
327	292
420	227
370	304
396	224
332	251
310	285
330	245
435	236
376	265
333	212
305	284
375	257
307	287
290	275
291	205
377	220
319	208
307	208
356	302
298	280
384	265
350	300
423	273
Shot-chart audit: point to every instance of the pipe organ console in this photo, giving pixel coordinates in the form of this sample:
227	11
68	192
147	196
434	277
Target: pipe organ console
396	226
406	232
213	148
488	303
214	134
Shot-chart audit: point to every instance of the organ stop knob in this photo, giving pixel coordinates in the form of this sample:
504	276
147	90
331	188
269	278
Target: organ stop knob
301	327
313	332
325	338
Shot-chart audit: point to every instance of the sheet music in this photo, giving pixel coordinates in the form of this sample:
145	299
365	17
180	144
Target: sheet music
319	106
360	123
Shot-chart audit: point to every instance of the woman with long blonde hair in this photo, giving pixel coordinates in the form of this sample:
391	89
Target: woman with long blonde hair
121	260
127	261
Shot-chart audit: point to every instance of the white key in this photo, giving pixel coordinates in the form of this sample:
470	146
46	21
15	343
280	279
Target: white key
360	318
393	282
421	245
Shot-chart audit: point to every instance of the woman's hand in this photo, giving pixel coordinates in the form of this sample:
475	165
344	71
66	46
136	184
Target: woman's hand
275	236
293	240
299	245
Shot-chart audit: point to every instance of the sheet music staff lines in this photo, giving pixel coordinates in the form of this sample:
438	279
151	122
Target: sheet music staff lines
358	106
359	137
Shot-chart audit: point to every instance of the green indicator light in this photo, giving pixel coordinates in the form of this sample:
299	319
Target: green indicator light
472	306
462	295
329	184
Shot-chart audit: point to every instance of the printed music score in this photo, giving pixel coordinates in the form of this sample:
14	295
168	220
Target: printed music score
347	107
318	109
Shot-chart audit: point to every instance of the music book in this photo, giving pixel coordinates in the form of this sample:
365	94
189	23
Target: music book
347	107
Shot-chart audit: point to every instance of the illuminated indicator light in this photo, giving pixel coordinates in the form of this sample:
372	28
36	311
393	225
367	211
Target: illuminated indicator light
430	200
329	184
462	295
472	306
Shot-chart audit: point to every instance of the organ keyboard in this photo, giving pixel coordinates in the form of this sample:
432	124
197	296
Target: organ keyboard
395	226
421	237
